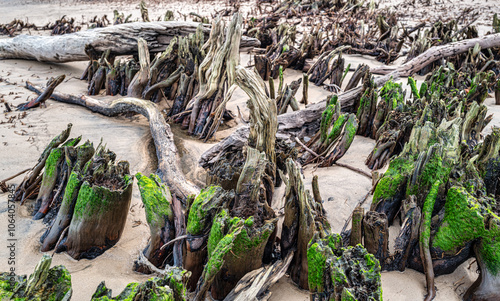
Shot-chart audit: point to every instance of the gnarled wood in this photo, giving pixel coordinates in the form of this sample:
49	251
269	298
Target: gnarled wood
438	52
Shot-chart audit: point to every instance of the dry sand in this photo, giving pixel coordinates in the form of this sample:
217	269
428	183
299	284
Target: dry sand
22	141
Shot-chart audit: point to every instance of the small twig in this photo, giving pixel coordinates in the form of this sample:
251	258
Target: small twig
59	240
58	190
307	148
16	175
360	171
4	181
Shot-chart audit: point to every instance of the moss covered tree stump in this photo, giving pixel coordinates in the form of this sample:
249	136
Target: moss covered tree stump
101	207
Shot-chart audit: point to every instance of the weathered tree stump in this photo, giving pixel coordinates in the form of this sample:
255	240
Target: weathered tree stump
159	216
376	234
101	207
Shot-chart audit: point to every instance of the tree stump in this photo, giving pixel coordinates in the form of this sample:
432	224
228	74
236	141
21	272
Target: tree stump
101	207
376	234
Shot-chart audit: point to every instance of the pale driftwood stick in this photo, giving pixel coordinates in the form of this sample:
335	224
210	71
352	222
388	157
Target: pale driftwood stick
121	39
143	261
168	162
360	171
438	52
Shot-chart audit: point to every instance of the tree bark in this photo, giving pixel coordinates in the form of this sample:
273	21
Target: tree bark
254	285
157	205
121	39
376	234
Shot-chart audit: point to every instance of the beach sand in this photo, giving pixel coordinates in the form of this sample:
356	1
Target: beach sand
22	141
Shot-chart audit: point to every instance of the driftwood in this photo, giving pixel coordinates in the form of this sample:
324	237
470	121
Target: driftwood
168	166
170	285
51	85
157	202
101	208
120	39
438	52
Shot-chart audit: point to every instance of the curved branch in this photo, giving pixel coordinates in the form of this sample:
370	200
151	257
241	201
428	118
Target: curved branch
168	167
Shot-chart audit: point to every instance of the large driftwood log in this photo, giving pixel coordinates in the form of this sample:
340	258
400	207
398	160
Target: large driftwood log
438	52
166	151
120	39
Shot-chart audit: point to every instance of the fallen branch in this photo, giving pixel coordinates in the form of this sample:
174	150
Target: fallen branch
439	52
51	85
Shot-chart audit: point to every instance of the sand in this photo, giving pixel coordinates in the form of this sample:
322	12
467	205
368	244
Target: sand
22	141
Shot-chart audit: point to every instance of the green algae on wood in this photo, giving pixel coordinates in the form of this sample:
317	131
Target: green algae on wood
157	202
466	220
245	255
202	209
156	198
334	269
45	283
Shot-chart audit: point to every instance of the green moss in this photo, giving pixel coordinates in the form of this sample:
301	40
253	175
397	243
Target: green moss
217	231
336	128
347	295
435	169
429	203
464	221
490	247
326	118
225	245
199	210
154	289
351	128
393	179
423	89
71	190
52	161
316	262
413	86
73	141
392	94
95	199
334	242
156	199
249	238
